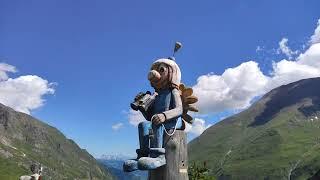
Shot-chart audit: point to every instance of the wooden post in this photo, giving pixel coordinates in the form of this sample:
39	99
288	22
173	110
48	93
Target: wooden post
176	158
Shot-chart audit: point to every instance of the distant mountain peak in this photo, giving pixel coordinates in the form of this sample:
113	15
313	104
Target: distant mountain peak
116	156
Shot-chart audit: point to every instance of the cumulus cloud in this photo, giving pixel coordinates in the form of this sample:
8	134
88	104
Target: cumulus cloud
237	87
197	128
311	57
286	72
234	89
135	117
285	49
315	38
306	65
117	126
24	93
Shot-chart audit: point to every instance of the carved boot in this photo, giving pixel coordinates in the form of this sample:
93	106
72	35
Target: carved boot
157	159
132	164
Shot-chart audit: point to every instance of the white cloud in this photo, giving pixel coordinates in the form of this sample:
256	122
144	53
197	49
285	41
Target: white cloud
24	93
238	86
284	48
286	72
4	69
197	128
311	57
117	126
315	38
234	89
135	117
307	65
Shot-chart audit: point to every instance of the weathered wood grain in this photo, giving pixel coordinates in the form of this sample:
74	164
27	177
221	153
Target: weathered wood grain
176	157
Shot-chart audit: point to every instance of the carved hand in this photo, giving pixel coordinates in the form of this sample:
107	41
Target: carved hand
158	119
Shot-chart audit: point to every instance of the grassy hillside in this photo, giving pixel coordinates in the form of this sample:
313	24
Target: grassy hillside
277	137
25	140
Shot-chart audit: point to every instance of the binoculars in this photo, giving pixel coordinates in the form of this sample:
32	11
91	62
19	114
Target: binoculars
143	101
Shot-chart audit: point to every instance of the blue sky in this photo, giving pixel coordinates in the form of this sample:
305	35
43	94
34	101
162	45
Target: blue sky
98	54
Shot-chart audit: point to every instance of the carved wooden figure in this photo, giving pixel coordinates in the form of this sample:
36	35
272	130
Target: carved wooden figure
163	147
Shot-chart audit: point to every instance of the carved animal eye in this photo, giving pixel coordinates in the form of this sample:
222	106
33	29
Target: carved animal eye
161	69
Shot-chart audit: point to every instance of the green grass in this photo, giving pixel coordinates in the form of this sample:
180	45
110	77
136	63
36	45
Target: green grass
266	151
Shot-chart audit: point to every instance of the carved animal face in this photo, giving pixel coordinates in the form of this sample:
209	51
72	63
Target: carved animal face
160	76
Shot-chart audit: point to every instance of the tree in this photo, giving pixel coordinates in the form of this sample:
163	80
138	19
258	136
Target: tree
197	172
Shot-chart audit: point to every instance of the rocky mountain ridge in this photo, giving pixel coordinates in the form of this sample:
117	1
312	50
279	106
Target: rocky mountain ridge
25	140
278	137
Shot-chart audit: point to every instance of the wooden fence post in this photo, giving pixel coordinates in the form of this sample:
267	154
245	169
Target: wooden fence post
176	158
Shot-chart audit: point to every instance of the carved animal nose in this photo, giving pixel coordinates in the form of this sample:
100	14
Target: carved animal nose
154	76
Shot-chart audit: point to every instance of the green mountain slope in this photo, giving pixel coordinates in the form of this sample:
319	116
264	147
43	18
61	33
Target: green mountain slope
25	140
276	138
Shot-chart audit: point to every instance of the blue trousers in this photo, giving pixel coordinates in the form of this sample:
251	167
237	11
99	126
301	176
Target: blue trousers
158	130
